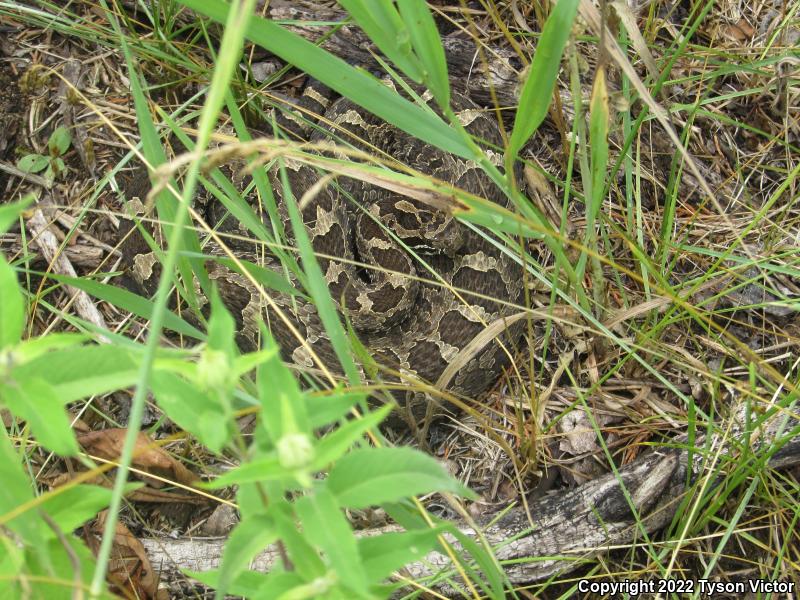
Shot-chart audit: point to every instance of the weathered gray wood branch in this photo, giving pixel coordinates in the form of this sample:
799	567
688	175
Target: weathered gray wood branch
48	243
570	527
80	255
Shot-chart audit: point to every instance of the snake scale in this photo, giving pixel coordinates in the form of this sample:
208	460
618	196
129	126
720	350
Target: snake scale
431	281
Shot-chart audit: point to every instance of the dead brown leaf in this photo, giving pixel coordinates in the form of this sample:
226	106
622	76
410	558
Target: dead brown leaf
145	494
147	456
741	31
129	569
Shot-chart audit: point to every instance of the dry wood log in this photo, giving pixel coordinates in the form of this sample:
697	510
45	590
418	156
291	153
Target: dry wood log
80	255
572	526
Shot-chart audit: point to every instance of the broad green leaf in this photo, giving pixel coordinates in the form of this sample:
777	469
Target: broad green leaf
78	372
335	443
407	516
384	554
57	166
356	84
245	363
36	402
538	88
50	571
12	563
250	537
251	501
257	470
325	526
371	476
276	584
328	586
15	492
10	212
12	306
485	561
33	163
427	47
221	343
33	348
306	560
129	302
280	397
324	409
73	507
193	409
252	584
59	141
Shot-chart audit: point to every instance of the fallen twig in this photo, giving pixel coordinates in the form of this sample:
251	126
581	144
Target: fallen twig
49	245
568	527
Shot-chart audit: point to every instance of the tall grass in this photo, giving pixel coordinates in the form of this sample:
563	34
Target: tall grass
316	454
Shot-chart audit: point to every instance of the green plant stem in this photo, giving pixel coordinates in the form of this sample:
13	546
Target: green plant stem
230	45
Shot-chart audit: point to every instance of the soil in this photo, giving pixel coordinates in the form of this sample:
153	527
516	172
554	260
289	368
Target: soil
10	115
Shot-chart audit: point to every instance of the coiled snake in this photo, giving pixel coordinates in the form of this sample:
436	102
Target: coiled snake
415	315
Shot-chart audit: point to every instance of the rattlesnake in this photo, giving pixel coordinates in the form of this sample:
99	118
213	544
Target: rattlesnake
407	315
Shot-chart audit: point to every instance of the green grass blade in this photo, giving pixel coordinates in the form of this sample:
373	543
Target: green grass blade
353	83
598	136
380	21
318	287
164	201
428	47
37	402
128	301
541	81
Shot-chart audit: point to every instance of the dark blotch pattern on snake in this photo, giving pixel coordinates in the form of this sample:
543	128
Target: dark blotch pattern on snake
413	327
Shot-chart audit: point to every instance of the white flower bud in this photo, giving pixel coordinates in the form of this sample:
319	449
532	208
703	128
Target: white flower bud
213	369
295	450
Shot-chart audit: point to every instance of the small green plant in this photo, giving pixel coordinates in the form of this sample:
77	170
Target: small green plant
310	480
52	164
35	545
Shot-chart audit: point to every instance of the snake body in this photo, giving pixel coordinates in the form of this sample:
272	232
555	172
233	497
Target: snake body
414	315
